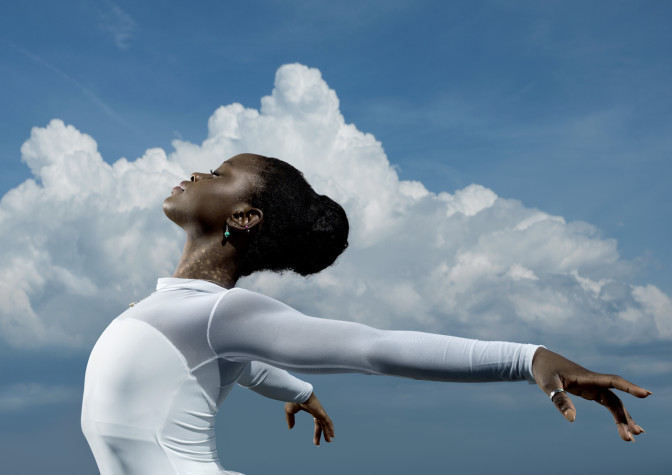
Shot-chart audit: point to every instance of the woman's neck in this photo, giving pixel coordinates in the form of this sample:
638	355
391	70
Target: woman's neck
208	260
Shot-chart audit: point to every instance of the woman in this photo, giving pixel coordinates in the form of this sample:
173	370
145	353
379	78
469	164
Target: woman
161	369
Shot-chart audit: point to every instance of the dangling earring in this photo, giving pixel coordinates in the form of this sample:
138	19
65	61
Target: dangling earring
226	231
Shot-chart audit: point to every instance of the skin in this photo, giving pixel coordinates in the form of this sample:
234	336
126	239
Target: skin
208	202
552	371
323	425
203	206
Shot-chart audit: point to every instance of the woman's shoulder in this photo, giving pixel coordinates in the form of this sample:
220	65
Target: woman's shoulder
240	314
240	294
239	301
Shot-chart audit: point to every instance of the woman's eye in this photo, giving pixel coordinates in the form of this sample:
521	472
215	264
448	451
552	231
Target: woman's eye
213	173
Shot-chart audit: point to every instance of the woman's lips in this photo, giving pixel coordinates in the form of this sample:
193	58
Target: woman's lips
179	187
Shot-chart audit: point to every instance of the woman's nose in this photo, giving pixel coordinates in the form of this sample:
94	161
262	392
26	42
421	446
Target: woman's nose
197	176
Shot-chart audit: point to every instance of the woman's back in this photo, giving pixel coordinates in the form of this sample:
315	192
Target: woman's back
144	409
153	386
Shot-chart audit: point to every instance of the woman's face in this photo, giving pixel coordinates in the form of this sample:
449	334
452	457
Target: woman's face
208	200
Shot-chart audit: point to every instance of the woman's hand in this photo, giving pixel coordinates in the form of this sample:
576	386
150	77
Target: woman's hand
323	424
553	372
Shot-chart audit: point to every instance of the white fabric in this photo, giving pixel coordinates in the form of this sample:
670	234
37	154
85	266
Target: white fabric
160	370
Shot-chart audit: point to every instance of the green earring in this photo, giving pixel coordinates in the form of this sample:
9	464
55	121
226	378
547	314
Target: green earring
226	232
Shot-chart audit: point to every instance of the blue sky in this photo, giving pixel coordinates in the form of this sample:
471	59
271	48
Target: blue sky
562	107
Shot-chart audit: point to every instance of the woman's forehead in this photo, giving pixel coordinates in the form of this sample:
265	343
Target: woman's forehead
244	168
246	158
247	161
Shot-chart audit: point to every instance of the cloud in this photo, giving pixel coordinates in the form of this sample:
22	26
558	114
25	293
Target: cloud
118	24
17	397
84	238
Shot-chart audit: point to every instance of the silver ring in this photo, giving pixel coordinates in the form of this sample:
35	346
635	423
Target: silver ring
557	391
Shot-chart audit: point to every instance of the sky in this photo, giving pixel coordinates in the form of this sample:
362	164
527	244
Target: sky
504	166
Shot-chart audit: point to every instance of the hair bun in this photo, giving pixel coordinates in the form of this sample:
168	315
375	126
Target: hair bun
301	231
326	239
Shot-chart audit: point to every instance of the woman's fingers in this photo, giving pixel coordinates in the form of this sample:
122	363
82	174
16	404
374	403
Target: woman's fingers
561	399
323	424
598	388
290	410
615	382
558	376
324	427
318	433
328	429
627	428
632	425
612	402
554	387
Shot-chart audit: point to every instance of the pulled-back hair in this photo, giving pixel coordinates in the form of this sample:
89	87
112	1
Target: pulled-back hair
301	231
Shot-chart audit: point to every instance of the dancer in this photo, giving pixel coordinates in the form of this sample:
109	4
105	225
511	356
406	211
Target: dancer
159	372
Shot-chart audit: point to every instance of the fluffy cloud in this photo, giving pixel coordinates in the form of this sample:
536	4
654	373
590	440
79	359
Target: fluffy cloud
85	237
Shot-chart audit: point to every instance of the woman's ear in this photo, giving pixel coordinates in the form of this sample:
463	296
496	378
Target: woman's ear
246	219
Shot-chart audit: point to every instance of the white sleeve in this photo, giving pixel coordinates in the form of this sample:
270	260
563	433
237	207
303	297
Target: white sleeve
247	326
274	383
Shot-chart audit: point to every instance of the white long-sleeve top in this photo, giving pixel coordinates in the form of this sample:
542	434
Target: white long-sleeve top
158	373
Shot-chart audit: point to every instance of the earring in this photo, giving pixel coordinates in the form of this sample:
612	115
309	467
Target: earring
226	231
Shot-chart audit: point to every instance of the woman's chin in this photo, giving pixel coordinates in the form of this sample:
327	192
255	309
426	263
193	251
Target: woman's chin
169	209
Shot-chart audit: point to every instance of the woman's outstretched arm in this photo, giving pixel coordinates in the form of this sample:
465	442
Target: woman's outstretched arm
556	376
248	326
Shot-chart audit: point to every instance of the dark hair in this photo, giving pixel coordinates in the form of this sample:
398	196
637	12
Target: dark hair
301	231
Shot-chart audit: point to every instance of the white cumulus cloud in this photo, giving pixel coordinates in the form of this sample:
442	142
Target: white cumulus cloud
85	237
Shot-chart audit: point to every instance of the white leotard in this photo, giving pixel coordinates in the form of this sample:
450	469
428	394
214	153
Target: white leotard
158	373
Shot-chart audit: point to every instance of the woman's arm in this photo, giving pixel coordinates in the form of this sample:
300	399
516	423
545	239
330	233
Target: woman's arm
274	383
247	326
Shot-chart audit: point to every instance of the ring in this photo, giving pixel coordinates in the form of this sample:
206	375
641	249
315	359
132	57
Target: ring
557	391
